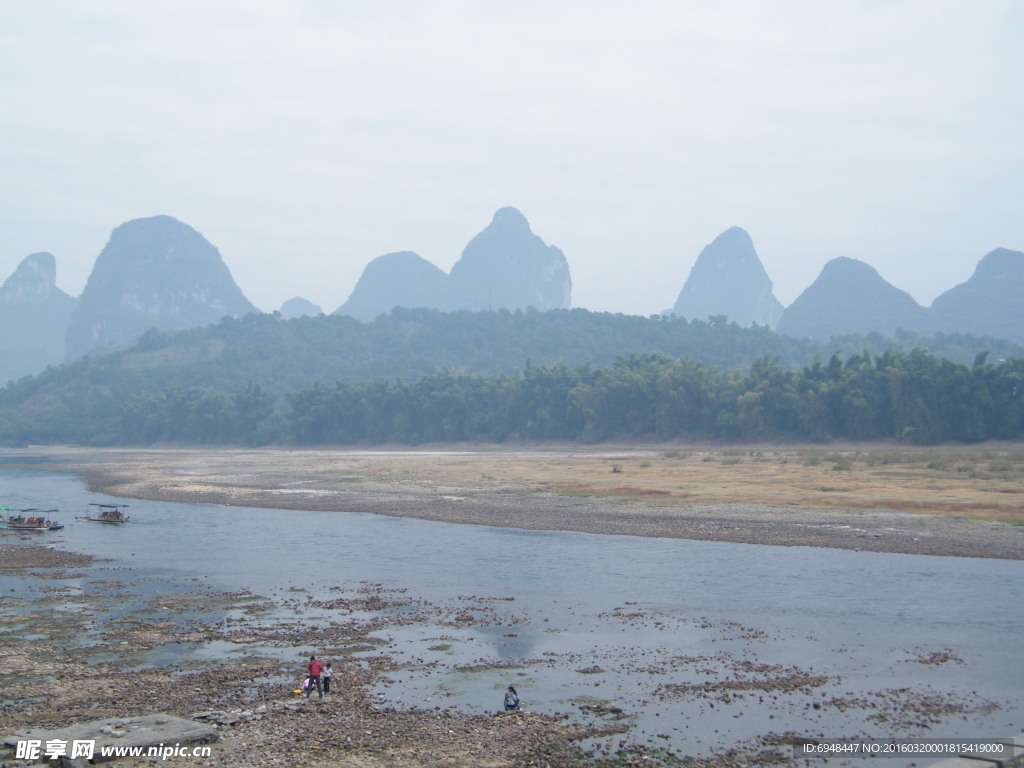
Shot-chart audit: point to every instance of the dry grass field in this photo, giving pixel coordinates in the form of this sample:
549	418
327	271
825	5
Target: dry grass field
955	501
983	483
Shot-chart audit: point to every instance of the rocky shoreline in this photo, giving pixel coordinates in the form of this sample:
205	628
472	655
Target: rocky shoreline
74	667
79	638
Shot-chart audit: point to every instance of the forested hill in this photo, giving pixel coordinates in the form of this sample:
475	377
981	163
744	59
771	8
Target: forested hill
247	380
287	355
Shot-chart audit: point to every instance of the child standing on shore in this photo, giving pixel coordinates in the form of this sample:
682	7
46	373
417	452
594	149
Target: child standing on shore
328	674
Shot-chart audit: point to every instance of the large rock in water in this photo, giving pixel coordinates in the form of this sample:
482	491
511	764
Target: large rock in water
849	296
990	303
507	266
402	279
729	279
34	317
154	272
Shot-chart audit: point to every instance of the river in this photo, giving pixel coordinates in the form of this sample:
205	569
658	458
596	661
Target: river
642	624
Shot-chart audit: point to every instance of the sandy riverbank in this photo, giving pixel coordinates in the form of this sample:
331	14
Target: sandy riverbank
897	503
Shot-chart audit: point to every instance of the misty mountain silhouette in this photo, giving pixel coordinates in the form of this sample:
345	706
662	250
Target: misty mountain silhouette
160	273
299	307
505	266
990	302
729	279
154	272
850	296
402	279
34	317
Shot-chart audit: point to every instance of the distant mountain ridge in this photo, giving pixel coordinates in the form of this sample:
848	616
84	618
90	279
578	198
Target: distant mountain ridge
160	273
299	307
729	279
31	303
506	266
990	302
153	273
403	279
850	296
33	282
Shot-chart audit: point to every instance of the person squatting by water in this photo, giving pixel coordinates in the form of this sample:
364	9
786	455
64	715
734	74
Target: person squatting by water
315	671
511	700
327	675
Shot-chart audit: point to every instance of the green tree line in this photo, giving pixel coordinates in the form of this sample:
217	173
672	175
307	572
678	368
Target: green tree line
914	397
263	379
904	396
289	355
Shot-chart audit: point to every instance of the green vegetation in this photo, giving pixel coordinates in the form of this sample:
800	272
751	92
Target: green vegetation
421	376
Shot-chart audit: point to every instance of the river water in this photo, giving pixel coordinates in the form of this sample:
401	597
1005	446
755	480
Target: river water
643	624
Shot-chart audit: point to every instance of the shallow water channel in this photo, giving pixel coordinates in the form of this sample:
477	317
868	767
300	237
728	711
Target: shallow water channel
701	645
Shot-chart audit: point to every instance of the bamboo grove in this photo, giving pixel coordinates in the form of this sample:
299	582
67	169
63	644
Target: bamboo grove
912	397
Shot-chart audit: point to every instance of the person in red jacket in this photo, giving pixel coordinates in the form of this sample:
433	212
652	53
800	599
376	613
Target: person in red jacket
315	671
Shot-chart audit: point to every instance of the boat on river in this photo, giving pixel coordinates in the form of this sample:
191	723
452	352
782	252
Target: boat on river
30	520
106	513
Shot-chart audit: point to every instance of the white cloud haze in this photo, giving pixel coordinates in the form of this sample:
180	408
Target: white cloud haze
304	139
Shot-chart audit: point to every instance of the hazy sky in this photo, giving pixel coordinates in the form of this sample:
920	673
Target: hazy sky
304	139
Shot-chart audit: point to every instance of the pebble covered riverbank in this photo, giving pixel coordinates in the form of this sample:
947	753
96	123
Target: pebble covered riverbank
66	660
